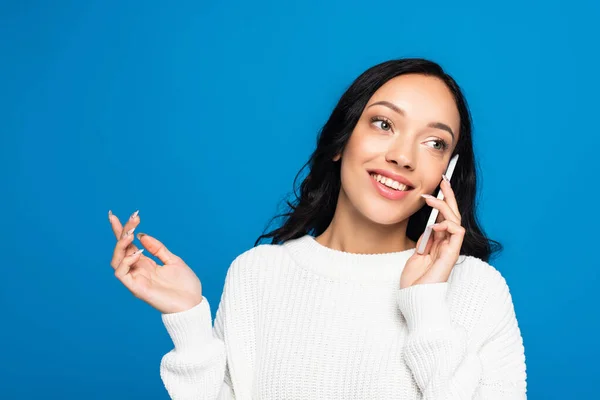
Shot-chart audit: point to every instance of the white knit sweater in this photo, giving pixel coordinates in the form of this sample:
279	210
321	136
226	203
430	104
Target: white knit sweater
303	321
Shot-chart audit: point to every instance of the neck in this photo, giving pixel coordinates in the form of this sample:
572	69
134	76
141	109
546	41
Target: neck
351	232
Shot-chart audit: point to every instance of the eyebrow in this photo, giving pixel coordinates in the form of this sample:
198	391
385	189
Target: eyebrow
437	125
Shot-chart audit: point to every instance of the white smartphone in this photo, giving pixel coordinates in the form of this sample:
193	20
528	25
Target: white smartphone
435	211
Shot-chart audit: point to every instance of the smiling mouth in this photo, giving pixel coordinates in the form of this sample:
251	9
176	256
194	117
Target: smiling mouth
390	183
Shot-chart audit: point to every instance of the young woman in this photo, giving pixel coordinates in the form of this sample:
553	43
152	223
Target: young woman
340	305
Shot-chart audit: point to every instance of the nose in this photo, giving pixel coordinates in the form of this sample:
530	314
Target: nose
400	153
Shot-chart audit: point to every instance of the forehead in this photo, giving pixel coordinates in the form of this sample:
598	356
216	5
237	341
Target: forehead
423	98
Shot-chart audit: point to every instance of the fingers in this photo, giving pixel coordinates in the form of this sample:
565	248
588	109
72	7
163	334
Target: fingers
155	247
132	222
119	230
126	263
115	224
444	208
124	237
121	247
457	232
450	198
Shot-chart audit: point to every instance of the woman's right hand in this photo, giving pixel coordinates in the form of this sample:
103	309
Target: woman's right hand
170	288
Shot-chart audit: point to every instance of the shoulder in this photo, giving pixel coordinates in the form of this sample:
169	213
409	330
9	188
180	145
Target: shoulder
251	271
255	260
477	286
477	274
257	255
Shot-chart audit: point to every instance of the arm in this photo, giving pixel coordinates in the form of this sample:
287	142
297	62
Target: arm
196	367
216	363
490	364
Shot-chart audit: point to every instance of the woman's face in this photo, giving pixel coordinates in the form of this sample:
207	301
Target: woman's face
408	128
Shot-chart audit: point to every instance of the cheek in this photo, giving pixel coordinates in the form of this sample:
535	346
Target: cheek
431	182
363	145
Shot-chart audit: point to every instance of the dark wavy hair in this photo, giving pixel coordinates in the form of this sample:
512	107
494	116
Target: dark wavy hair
312	210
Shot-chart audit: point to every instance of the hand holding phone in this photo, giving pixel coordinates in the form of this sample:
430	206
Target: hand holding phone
435	211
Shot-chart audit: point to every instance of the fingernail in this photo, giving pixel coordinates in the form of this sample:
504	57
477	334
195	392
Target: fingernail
427	196
140	234
134	214
109	214
129	232
135	253
444	177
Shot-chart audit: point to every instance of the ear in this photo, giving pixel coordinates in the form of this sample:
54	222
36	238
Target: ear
337	157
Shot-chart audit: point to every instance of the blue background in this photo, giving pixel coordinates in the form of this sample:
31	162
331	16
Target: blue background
199	114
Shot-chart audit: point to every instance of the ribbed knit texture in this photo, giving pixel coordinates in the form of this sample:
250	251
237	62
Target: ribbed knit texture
303	321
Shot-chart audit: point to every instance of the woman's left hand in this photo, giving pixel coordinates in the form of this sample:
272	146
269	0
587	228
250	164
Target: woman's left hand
443	247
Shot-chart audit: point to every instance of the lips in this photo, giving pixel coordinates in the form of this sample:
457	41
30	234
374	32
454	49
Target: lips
393	176
388	192
384	180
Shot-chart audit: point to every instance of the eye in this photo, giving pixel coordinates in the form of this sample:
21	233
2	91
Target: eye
384	123
443	146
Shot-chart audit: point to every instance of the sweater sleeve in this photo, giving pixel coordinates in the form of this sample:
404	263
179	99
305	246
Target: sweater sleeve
216	363
196	367
446	364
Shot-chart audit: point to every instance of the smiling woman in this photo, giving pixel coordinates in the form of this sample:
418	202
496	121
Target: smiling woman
406	119
340	305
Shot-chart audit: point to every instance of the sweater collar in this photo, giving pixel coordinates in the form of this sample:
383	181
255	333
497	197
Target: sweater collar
343	266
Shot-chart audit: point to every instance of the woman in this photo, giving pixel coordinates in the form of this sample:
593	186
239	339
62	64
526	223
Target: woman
340	305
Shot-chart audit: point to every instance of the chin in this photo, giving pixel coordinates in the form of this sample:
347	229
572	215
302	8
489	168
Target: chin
383	215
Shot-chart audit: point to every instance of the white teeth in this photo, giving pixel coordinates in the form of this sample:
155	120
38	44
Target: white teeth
389	182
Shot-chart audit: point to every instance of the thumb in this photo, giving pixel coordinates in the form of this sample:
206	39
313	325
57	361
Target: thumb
156	248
